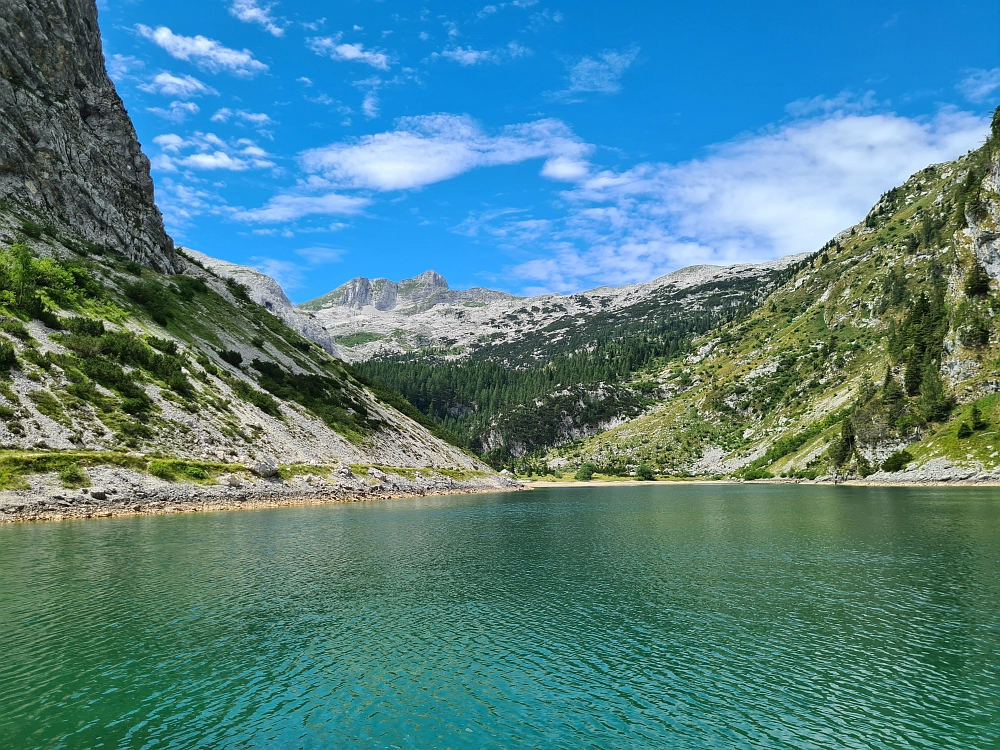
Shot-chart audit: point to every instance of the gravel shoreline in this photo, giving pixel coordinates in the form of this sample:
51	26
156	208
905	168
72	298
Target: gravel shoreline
119	492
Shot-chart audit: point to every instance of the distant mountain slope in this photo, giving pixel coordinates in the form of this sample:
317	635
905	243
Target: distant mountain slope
378	318
267	293
877	349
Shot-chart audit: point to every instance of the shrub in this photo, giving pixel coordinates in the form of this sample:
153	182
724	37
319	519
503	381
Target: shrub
758	473
167	346
84	326
978	423
585	473
131	267
73	476
8	357
153	298
31	229
233	358
186	287
897	461
645	473
261	400
964	431
195	472
15	328
162	469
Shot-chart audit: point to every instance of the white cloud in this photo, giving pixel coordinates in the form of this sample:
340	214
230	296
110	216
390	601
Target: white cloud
289	207
428	149
184	86
250	11
470	56
370	105
979	85
204	52
304	81
207	151
257	119
331	46
784	191
121	67
603	74
178	111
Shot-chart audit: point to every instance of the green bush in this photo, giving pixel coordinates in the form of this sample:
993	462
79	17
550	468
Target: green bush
964	431
261	400
645	473
897	461
758	473
978	423
195	472
230	357
8	357
73	476
585	473
152	296
162	469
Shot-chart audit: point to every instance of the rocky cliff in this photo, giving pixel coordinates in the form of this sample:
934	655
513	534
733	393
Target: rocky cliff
69	155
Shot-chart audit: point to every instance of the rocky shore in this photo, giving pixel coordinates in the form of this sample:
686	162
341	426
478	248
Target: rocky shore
121	492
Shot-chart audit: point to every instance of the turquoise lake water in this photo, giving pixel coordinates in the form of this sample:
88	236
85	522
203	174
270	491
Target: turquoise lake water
650	616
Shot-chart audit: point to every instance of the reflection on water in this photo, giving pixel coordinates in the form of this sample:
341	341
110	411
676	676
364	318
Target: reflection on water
664	616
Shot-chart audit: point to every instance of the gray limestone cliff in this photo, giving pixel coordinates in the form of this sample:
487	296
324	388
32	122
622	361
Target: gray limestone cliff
68	150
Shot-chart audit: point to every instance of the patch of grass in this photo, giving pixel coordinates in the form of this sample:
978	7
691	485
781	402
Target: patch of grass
16	465
72	476
49	405
177	469
359	338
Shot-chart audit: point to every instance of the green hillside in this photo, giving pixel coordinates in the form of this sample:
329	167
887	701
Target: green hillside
875	354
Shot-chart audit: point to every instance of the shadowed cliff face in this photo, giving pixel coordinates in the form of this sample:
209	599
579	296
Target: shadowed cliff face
67	146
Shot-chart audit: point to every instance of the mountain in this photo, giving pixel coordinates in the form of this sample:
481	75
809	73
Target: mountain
511	376
267	293
879	358
375	318
121	355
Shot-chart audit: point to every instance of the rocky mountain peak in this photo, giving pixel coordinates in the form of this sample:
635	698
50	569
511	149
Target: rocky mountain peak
68	151
382	294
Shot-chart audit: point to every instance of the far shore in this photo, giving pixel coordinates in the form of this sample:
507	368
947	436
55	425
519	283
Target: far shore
625	482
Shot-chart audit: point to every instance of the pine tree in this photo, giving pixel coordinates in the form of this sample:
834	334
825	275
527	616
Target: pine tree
977	281
978	423
934	404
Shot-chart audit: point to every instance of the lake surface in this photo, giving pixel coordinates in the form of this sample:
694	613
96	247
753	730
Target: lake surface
650	616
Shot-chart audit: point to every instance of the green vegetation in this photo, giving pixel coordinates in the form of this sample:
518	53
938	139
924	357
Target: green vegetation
359	338
73	476
585	473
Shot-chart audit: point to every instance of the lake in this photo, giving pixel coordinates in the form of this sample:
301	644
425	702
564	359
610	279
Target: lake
674	616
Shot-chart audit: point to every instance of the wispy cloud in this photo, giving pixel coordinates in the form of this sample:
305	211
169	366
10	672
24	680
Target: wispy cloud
332	47
204	52
979	85
257	119
469	56
183	87
289	207
428	149
784	191
601	74
177	111
206	151
251	11
122	67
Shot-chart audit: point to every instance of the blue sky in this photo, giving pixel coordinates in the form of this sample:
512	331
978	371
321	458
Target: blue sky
535	146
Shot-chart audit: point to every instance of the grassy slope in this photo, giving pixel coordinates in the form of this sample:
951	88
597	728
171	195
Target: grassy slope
775	376
176	332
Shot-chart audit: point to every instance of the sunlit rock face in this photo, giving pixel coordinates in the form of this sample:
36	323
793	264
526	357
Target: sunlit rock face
68	150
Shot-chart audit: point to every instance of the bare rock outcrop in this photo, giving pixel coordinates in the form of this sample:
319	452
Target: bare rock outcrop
68	151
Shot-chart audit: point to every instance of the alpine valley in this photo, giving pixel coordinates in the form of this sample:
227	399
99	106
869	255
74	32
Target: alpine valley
167	378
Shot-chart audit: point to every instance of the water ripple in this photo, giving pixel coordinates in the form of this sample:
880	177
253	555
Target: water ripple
697	617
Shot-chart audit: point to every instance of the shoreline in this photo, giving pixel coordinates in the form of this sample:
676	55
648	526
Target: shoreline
536	485
144	498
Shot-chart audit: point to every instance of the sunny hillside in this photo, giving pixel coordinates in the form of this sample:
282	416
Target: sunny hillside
878	349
